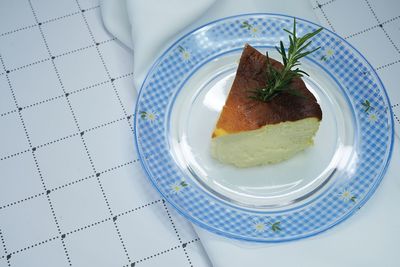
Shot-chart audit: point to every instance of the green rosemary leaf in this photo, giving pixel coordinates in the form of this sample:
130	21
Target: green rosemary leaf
278	81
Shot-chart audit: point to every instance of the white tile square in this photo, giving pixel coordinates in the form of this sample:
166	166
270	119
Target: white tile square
35	83
12	135
79	205
46	9
85	4
127	188
185	229
63	162
175	257
377	55
49	121
386	9
118	59
19	178
197	255
6	100
152	227
93	18
111	145
22	48
81	69
74	35
391	80
393	30
346	10
15	15
96	246
96	106
27	223
127	93
49	254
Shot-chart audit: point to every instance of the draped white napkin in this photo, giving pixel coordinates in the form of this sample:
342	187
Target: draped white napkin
369	238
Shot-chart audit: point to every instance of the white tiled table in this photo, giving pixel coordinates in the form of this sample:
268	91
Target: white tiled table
71	189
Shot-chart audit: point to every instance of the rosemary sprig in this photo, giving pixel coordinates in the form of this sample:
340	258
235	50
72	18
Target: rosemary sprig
278	80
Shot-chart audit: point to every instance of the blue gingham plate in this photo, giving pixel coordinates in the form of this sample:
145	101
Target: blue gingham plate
180	101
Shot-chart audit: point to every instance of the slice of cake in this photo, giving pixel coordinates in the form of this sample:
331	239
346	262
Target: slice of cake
250	132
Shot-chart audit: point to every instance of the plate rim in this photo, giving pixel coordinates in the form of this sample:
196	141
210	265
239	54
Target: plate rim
199	223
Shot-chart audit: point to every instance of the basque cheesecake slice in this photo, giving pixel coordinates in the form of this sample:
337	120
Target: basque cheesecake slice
250	132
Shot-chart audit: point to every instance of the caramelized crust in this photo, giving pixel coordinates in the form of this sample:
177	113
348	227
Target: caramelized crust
241	113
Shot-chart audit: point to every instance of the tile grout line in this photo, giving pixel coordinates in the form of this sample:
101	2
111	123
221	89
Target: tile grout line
381	25
8	256
68	93
372	27
105	66
60	55
183	245
397	118
325	16
21	200
68	184
84	48
8	112
30	246
17	30
160	253
47	21
34	149
138	208
62	236
15	154
152	256
388	65
126	115
29	65
323	4
67	137
60	18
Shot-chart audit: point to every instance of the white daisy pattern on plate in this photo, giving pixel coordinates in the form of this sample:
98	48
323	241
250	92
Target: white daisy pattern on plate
327	53
346	195
149	115
178	186
185	53
261	226
372	117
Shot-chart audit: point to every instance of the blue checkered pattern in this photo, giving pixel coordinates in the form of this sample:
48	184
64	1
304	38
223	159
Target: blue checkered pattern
359	82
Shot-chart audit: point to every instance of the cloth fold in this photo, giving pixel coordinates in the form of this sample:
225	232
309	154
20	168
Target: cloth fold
155	24
149	27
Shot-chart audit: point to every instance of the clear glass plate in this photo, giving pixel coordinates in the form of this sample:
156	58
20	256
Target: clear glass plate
179	104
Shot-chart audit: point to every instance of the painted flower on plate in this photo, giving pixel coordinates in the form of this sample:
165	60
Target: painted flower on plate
178	186
185	53
260	227
372	117
346	195
148	115
327	53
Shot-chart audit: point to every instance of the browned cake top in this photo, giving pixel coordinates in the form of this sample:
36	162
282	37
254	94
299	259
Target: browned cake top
242	113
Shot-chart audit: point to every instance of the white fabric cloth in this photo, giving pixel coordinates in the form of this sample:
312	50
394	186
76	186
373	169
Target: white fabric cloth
369	238
156	24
